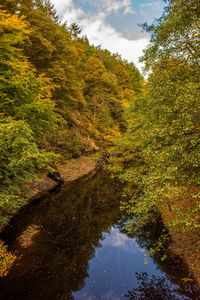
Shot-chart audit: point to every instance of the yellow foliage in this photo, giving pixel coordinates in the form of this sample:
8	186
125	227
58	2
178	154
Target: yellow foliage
109	80
93	70
80	49
129	94
123	77
145	88
13	23
6	260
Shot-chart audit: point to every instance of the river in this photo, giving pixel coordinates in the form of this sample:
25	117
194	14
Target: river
71	245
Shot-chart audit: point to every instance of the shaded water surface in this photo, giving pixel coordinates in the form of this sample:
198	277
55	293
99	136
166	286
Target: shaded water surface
71	245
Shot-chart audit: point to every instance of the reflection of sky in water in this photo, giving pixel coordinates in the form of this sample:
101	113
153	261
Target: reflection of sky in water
112	270
119	240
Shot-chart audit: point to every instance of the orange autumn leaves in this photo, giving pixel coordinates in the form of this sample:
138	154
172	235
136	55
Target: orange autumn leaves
6	258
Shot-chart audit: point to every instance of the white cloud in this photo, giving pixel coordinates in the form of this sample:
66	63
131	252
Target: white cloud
109	6
85	296
151	4
115	239
110	295
113	5
142	12
101	33
104	34
97	29
119	240
145	7
68	11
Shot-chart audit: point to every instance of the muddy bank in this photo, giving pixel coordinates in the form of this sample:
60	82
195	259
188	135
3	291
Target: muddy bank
69	171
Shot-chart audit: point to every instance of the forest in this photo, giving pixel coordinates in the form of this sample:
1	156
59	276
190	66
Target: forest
61	98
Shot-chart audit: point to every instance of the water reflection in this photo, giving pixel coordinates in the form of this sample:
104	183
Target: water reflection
69	229
157	288
112	269
181	286
119	240
72	245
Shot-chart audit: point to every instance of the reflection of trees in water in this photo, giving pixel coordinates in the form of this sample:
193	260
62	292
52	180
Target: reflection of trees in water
147	235
159	288
71	225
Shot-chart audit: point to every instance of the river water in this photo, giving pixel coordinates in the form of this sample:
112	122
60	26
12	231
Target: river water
71	245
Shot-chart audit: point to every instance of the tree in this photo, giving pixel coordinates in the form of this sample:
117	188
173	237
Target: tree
75	30
122	77
93	70
27	115
176	33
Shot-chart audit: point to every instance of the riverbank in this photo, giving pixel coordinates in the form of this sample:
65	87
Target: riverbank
69	171
184	243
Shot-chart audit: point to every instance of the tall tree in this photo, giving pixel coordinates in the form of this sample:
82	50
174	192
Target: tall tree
176	33
27	114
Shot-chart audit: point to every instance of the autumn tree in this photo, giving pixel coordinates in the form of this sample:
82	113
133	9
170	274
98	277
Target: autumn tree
27	114
6	260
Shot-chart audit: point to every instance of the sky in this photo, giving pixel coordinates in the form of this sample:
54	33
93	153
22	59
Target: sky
113	24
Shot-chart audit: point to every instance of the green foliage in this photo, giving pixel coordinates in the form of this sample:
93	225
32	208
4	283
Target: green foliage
122	77
27	116
91	107
74	144
85	78
75	30
159	153
158	156
19	154
135	76
176	33
23	94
